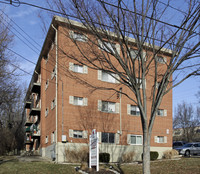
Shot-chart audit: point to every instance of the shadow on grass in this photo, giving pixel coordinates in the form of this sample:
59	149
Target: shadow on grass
2	161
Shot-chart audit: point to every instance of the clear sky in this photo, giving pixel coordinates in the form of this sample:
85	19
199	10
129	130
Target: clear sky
27	19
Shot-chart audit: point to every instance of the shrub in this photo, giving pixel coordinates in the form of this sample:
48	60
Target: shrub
128	157
169	154
104	157
153	155
81	155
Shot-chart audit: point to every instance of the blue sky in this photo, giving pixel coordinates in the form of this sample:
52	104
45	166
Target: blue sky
27	18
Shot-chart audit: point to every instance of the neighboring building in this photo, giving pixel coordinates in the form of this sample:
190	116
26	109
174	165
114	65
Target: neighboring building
69	110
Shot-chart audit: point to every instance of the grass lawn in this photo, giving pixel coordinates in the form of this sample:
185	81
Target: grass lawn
182	166
16	167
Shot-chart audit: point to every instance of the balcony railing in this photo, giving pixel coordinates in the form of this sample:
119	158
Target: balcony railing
36	84
28	129
28	103
36	133
35	107
28	122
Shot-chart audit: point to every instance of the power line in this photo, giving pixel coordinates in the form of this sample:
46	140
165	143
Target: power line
20	28
68	15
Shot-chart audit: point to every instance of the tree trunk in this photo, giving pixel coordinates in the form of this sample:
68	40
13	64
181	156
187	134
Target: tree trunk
146	153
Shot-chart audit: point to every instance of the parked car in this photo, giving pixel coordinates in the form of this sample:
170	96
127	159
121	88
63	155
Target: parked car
178	144
189	149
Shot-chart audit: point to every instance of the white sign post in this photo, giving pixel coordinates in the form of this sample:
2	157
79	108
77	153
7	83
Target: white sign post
94	150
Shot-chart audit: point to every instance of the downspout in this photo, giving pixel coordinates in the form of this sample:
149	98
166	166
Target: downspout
56	75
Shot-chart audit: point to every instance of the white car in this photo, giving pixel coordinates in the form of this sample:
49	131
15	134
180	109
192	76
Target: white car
189	149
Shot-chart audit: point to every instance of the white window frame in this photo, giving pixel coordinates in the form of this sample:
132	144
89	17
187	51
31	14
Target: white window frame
158	139
53	137
82	133
112	78
129	109
72	68
138	80
47	84
46	112
77	134
78	36
72	100
53	104
161	59
53	73
100	106
136	136
108	133
46	139
164	112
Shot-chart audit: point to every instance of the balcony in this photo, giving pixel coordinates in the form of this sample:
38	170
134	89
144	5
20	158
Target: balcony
28	122
28	129
36	134
36	83
28	104
36	87
29	140
35	108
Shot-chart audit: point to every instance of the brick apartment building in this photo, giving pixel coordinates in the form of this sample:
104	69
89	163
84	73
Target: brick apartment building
61	112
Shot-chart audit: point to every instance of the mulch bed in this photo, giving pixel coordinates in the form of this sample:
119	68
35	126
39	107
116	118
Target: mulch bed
102	171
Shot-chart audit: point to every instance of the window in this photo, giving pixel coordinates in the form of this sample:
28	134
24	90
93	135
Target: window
160	59
53	104
139	81
162	112
78	36
108	77
108	106
160	139
136	139
46	139
78	68
47	84
157	84
107	137
46	112
134	54
53	73
52	137
47	58
106	46
77	134
134	110
79	101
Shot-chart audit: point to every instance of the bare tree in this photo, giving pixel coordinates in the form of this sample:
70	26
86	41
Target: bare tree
11	120
186	119
111	22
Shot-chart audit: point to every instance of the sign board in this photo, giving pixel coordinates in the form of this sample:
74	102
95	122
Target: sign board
94	150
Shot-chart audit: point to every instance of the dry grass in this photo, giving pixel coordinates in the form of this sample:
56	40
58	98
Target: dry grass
128	157
182	166
169	154
80	155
